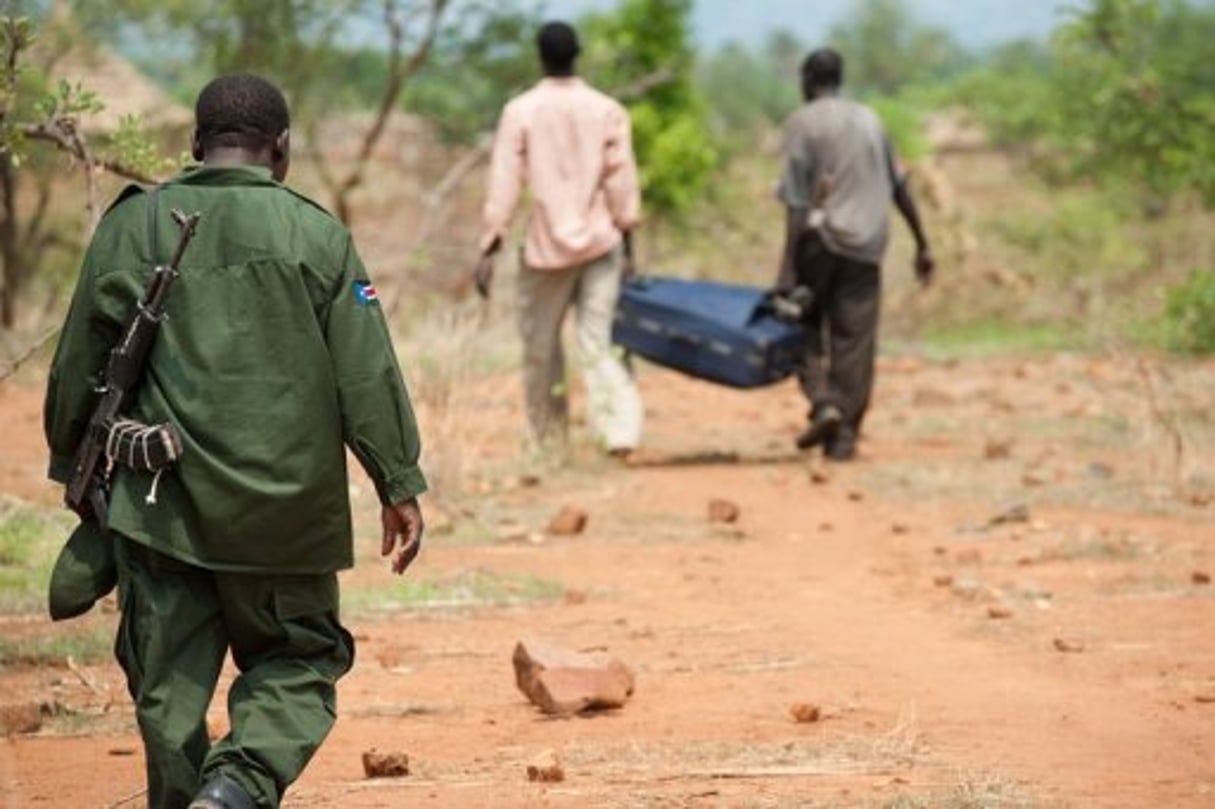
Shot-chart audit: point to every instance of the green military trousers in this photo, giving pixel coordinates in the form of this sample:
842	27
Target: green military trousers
178	623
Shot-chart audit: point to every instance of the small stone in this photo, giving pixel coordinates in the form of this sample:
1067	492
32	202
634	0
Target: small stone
805	712
1205	697
528	481
1200	577
968	556
995	450
570	520
900	528
722	510
546	768
1018	513
575	596
826	527
1068	645
1034	477
856	496
942	580
385	765
819	475
999	612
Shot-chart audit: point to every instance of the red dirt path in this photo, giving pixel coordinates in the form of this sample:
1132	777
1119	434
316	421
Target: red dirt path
867	589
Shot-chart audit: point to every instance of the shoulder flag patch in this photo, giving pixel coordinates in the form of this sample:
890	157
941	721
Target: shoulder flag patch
364	293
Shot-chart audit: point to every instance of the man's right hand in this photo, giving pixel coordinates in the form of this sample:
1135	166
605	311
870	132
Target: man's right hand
402	531
925	265
483	274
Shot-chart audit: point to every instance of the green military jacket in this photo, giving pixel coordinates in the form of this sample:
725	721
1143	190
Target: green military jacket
274	356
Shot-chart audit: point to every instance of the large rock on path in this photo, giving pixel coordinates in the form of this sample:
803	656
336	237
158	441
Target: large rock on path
563	682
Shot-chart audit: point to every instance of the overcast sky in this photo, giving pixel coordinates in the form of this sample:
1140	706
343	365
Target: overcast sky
975	23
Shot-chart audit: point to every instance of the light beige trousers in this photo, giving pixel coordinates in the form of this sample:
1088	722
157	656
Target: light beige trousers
615	411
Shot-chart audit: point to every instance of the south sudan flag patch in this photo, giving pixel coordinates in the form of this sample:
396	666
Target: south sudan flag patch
364	293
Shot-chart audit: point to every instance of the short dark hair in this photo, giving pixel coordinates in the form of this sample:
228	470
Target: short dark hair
823	68
240	111
558	45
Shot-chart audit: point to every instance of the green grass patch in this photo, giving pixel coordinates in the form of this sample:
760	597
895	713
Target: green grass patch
994	336
92	644
466	589
29	541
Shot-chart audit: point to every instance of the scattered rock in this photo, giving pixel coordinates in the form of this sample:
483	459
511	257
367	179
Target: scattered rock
900	528
999	612
563	682
805	712
570	520
385	765
1034	477
1017	513
528	481
575	596
942	580
819	474
995	449
970	589
24	717
1205	697
968	556
722	510
826	527
546	768
1201	499
856	496
120	752
940	550
1200	577
1068	645
1100	470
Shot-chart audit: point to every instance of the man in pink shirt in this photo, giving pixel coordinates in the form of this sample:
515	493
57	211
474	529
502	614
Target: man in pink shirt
571	146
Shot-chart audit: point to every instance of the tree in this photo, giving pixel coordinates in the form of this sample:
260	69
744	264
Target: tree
1138	93
642	53
886	49
35	111
302	45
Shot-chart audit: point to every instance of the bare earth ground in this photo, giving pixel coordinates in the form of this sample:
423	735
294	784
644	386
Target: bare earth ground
963	652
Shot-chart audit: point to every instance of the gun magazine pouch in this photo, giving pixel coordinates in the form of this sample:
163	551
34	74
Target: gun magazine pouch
141	447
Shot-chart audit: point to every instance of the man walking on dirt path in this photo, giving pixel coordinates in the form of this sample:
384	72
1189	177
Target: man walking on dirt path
273	358
571	145
838	177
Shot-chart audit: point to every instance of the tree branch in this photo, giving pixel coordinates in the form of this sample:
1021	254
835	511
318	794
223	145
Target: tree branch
399	71
12	366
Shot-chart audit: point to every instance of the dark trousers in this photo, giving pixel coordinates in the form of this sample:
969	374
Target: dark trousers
178	622
841	330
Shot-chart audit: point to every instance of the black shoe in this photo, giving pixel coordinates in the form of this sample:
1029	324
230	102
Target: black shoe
841	446
221	792
823	426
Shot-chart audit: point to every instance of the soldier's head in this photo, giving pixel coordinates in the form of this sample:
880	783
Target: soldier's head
559	48
822	73
243	119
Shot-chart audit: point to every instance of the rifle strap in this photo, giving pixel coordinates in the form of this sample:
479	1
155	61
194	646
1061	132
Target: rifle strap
153	245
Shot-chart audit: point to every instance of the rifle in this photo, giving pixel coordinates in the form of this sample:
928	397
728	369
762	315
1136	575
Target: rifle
109	437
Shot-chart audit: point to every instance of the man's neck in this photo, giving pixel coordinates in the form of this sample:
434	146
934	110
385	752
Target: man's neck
227	157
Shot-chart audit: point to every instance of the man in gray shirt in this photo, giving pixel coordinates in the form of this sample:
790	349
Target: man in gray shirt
837	182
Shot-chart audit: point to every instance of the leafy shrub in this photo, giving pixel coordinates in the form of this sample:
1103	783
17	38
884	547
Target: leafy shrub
1189	314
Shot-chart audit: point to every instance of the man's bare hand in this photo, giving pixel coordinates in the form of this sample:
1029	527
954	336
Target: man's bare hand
925	266
483	274
402	532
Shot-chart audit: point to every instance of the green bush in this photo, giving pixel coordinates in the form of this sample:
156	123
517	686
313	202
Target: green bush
1189	314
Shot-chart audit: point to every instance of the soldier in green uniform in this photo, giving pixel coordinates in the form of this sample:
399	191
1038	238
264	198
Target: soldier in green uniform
274	358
